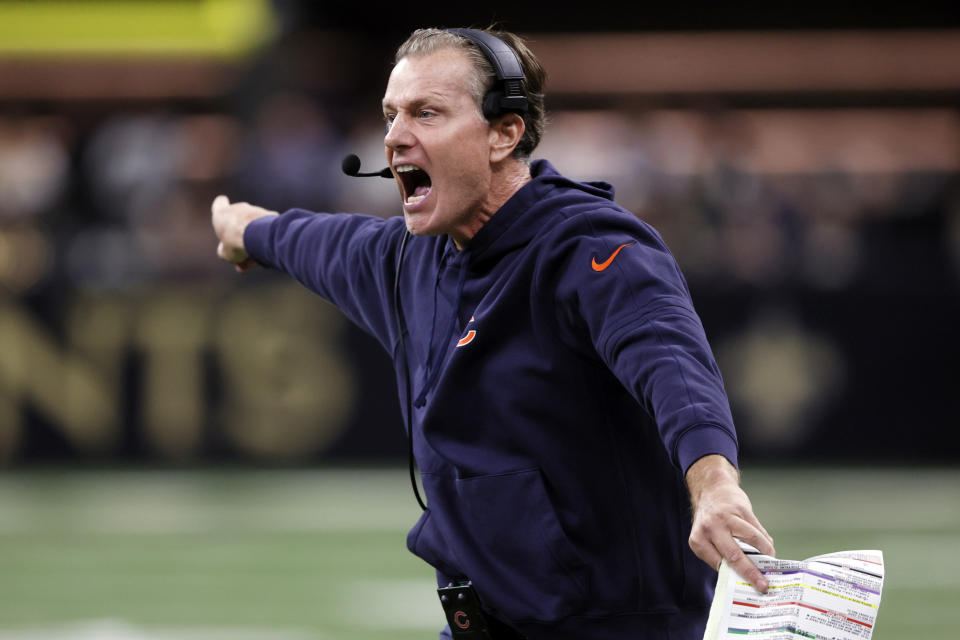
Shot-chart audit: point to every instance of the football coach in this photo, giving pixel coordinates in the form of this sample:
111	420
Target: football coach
574	439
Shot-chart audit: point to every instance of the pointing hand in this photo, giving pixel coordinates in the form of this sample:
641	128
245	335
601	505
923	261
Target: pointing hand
229	222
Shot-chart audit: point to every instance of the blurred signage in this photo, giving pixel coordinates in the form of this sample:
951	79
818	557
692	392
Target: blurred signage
222	28
175	373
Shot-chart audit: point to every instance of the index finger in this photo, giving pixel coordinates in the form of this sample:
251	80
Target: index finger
741	563
220	202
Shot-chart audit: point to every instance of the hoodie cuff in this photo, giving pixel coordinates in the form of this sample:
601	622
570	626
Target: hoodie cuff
256	240
703	440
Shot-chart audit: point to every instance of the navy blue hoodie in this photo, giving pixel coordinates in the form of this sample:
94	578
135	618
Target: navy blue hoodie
561	384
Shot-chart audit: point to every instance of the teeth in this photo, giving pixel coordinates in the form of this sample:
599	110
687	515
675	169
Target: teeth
402	168
415	199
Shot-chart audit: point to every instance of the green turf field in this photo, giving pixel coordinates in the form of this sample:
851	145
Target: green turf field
316	555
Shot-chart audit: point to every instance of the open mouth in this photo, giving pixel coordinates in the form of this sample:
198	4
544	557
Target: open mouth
416	183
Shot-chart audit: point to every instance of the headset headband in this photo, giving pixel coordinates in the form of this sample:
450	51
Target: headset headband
509	72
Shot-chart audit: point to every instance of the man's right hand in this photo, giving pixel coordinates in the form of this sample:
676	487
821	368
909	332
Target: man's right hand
229	223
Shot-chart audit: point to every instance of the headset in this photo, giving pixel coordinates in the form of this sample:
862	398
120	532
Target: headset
507	95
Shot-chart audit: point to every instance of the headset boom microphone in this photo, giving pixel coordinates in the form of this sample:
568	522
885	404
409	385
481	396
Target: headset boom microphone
351	167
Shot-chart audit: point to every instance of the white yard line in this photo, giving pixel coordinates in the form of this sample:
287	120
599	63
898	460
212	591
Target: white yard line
920	561
334	500
111	629
391	604
191	502
852	499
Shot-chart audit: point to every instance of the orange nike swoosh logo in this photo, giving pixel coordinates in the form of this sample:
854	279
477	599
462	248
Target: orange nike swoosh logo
600	266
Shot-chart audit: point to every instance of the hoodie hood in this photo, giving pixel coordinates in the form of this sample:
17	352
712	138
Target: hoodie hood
518	214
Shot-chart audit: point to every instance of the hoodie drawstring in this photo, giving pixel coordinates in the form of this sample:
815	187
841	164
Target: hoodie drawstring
431	372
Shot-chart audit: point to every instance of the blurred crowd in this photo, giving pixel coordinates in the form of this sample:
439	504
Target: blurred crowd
761	199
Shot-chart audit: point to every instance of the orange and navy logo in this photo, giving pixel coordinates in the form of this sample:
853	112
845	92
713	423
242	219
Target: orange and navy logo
468	336
600	266
461	619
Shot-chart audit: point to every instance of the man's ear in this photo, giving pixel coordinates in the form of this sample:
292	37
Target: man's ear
505	134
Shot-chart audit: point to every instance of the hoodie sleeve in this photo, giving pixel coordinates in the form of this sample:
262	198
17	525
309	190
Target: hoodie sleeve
348	259
622	297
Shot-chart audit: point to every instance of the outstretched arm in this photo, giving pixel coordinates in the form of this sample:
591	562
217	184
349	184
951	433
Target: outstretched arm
722	512
349	259
229	223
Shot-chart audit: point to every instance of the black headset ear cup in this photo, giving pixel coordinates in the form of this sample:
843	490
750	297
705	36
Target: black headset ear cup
491	104
507	94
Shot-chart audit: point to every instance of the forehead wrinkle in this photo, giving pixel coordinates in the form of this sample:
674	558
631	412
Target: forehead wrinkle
443	85
414	100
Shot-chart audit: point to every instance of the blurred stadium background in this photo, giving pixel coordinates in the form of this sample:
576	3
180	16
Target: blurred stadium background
190	454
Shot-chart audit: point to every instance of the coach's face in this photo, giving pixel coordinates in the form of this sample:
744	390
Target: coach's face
439	146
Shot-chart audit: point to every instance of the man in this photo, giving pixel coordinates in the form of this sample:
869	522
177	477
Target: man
564	405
